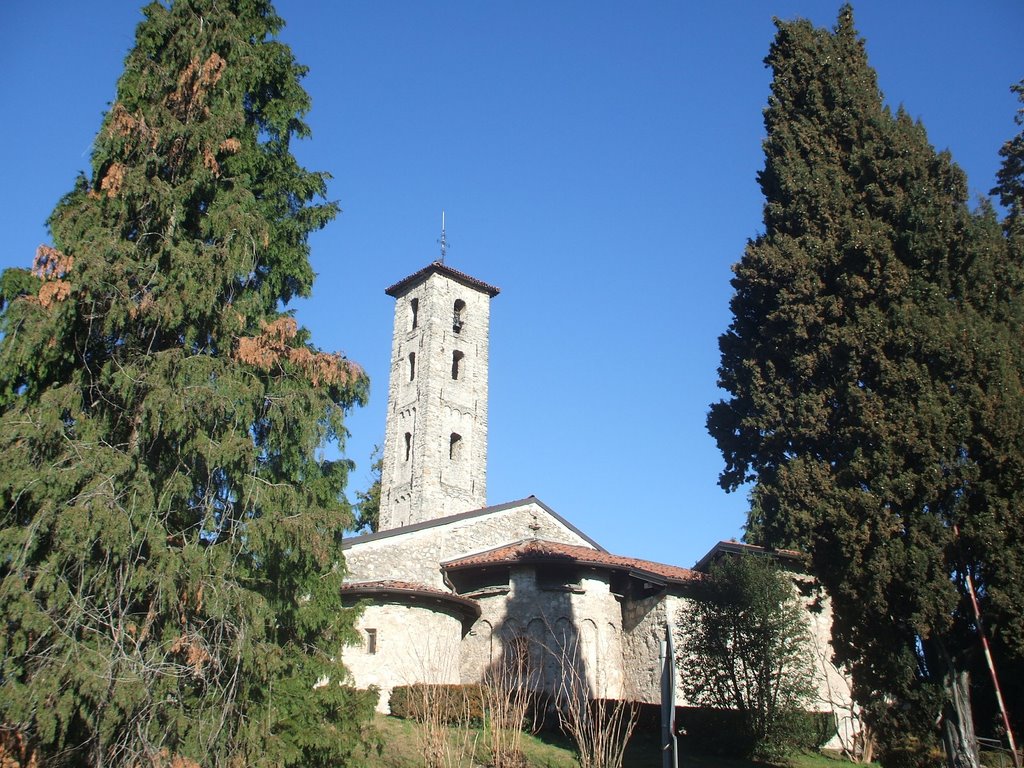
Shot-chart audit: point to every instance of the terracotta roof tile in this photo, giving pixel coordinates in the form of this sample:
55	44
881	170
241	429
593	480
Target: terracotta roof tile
359	586
407	590
532	550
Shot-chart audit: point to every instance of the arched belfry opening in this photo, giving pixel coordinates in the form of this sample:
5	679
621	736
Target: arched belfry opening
458	315
437	403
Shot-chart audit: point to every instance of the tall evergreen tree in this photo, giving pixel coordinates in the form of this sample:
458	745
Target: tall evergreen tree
1010	186
169	568
875	387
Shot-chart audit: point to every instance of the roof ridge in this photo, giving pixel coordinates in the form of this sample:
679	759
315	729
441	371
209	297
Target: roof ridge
469	514
521	550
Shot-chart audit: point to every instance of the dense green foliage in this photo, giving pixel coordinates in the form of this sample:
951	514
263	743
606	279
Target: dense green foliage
874	369
1010	179
169	571
367	509
724	732
746	649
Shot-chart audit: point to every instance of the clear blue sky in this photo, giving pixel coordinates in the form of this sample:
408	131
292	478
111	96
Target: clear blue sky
597	162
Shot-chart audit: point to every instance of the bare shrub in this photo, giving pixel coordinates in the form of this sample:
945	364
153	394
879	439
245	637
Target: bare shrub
446	738
599	726
508	692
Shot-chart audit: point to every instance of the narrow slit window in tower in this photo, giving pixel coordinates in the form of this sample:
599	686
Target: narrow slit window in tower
457	363
371	641
414	305
457	315
408	445
412	366
454	446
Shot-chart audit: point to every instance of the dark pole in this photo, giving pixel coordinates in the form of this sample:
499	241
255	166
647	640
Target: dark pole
669	758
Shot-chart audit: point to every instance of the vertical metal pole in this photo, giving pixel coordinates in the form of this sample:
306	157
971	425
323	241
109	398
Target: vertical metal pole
672	693
667	657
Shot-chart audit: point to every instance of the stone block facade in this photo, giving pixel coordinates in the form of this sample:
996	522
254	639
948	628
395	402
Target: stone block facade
414	553
403	645
435	437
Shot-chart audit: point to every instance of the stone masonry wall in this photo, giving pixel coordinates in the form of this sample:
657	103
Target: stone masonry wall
580	626
415	556
833	687
643	630
437	391
412	645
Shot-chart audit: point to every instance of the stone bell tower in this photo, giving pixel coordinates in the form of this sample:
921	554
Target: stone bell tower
435	436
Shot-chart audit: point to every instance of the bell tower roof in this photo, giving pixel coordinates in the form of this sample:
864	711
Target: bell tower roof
439	267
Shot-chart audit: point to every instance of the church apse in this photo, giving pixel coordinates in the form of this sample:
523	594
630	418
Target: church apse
547	622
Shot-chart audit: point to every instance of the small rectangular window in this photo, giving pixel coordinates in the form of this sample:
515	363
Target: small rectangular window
371	641
414	304
456	363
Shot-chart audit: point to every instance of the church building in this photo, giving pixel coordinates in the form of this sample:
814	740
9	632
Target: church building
455	587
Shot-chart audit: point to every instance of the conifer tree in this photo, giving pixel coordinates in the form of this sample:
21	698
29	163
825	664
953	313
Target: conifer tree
367	507
875	388
169	565
1010	186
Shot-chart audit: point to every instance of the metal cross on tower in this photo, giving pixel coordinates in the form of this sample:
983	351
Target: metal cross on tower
443	240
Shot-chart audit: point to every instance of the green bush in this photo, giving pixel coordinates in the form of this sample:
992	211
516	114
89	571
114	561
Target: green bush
912	752
812	730
452	704
726	732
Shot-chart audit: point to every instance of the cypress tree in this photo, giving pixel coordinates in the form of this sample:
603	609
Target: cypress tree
168	533
874	387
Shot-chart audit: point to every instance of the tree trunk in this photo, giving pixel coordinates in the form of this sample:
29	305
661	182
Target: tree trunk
957	723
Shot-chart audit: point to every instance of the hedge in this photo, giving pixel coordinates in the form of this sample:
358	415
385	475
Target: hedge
456	703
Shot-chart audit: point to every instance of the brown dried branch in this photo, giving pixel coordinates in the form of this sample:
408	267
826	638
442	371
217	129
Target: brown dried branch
194	83
15	750
228	146
192	647
145	304
113	180
51	293
210	161
164	759
51	264
271	350
134	128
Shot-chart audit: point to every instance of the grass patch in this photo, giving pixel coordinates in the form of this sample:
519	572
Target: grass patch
401	747
551	750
